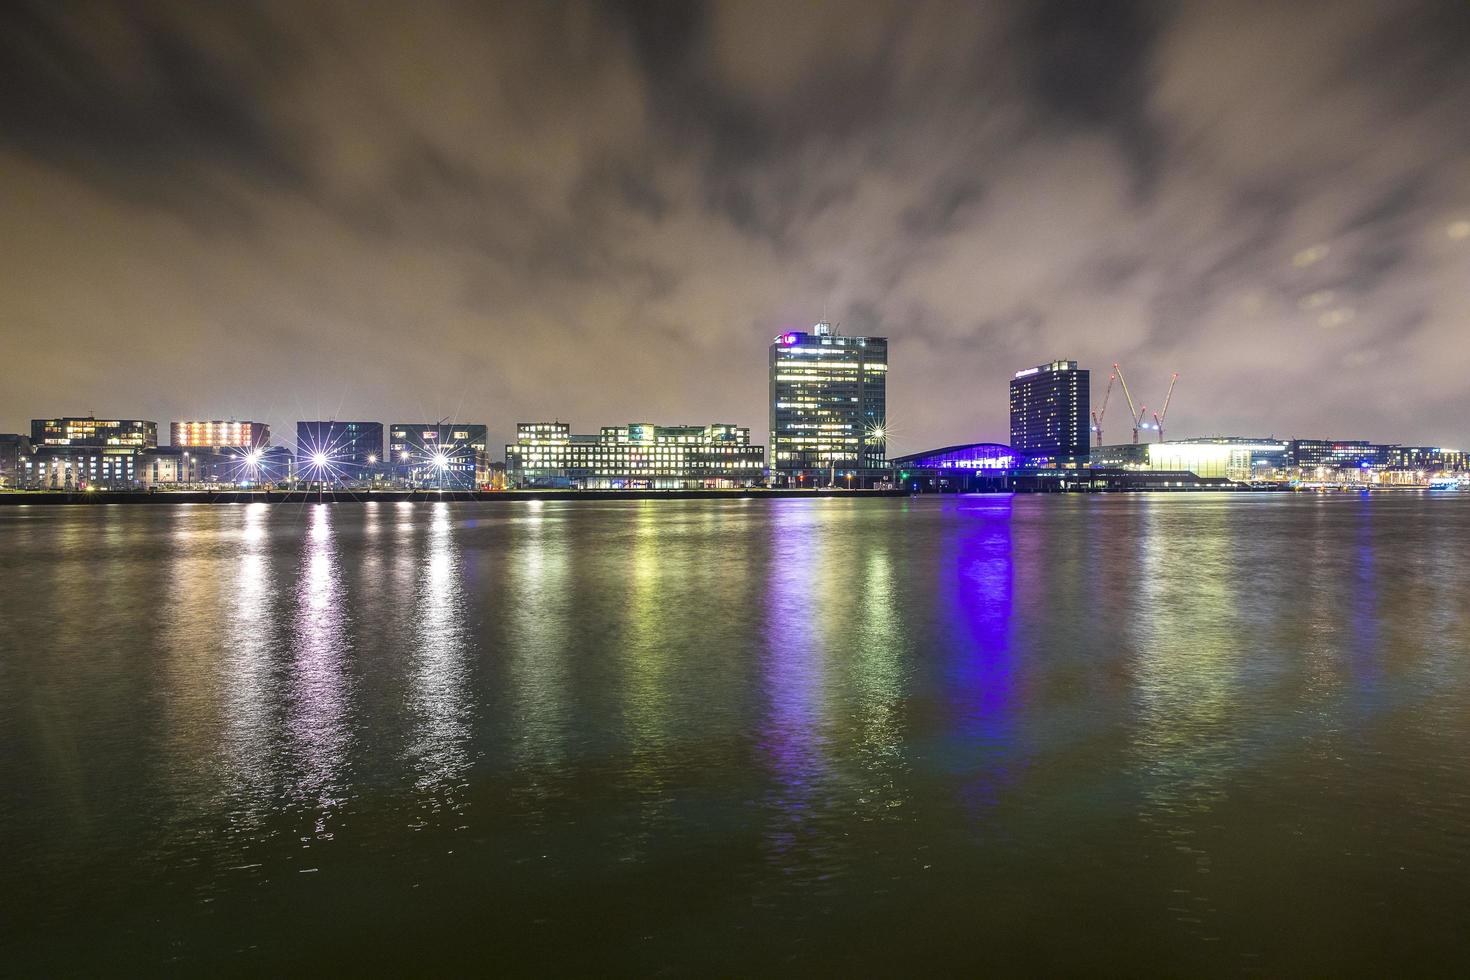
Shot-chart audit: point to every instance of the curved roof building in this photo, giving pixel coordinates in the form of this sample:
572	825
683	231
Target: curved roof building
974	456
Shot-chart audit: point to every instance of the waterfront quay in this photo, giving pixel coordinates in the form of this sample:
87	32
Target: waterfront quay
339	496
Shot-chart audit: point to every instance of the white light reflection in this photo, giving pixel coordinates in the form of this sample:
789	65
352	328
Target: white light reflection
539	607
320	701
441	695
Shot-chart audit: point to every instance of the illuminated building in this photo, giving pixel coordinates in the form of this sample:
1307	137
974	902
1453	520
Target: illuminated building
165	465
1238	459
79	467
439	454
218	434
13	446
1120	455
1049	406
94	432
636	456
968	468
338	451
1426	458
829	408
1337	453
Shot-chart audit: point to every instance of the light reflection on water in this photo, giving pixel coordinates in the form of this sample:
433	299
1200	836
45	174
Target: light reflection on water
318	720
641	735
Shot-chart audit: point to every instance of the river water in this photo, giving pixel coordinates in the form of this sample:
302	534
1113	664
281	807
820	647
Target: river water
1123	734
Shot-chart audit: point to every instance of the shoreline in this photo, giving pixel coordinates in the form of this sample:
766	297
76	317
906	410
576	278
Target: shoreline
94	497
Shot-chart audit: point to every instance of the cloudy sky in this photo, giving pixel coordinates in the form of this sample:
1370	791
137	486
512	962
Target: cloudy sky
604	212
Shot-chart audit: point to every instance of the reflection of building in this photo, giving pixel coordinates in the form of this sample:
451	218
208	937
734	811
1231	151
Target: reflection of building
343	450
207	434
828	407
13	446
94	432
634	456
1049	406
421	453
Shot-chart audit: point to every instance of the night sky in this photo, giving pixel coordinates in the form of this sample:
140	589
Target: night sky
602	213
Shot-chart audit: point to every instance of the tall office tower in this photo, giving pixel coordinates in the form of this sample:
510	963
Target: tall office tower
241	435
455	456
828	408
338	450
1049	411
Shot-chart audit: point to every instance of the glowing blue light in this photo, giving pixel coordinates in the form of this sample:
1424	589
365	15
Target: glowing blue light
789	338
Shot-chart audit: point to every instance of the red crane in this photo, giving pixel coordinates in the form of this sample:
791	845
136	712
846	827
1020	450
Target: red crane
1159	416
1100	414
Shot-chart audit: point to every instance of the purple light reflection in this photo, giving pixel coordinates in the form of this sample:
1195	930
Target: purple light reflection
976	594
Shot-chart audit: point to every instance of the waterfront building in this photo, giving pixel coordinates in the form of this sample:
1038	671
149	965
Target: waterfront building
1234	458
13	447
338	451
1049	414
203	435
437	454
636	456
828	408
1427	459
1125	455
971	468
79	467
1335	454
180	466
76	431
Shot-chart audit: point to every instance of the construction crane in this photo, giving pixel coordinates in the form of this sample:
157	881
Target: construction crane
1100	414
1136	414
1160	416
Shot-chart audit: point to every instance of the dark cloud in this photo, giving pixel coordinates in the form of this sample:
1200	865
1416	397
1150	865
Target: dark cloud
603	211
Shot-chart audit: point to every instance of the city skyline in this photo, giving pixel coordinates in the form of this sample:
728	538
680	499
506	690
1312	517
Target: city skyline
238	210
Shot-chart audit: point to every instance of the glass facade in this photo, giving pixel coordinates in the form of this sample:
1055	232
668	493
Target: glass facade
338	451
436	454
636	456
1049	410
829	407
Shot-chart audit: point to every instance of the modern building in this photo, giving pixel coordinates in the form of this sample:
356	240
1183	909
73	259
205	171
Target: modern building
1337	453
829	408
436	454
338	452
1123	455
1049	413
1427	459
971	468
636	456
1241	460
89	431
180	466
79	467
202	435
13	446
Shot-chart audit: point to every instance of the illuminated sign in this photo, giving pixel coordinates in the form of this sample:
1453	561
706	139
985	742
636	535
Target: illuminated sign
1028	372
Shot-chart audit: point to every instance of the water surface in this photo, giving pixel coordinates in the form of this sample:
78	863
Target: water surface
1118	734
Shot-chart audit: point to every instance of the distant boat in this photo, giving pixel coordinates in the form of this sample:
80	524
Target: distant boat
1444	483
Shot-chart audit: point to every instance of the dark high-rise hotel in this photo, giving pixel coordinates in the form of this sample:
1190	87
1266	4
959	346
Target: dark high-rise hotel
1049	408
828	408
